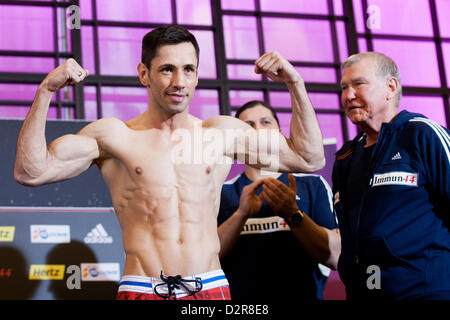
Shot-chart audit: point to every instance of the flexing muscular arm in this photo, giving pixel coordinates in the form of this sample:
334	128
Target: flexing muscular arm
305	135
302	152
65	157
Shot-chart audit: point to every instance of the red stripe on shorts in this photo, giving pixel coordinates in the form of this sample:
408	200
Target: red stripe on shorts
219	293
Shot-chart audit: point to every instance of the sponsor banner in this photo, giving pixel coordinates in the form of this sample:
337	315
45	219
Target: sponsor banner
98	235
47	272
100	271
50	233
7	233
395	178
264	225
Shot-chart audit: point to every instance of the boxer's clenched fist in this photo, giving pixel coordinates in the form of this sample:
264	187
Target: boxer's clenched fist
274	66
70	72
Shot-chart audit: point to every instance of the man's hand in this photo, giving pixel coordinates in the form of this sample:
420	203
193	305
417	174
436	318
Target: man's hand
250	203
280	197
274	66
70	72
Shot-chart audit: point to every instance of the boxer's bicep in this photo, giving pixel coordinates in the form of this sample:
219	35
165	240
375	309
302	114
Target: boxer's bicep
257	148
68	156
267	149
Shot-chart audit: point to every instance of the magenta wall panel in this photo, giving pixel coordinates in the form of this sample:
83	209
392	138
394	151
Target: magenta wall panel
415	59
403	17
19	91
20	112
26	64
86	9
87	48
241	41
123	103
359	18
313	74
280	99
298	6
446	53
240	97
90	103
299	40
194	12
396	17
342	40
135	10
242	72
26	28
330	124
362	45
443	9
120	50
324	100
238	5
338	9
207	67
431	107
318	100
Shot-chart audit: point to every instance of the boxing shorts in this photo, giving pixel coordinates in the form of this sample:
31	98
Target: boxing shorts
212	285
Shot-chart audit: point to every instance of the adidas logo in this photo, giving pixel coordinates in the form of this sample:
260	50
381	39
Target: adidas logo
98	235
397	156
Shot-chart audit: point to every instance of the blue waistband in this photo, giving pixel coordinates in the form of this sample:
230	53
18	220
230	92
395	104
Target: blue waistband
149	285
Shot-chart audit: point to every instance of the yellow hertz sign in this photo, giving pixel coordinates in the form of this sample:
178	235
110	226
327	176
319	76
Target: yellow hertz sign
47	272
7	233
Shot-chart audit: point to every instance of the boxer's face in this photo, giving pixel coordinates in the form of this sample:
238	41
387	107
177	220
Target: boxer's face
364	92
259	117
173	77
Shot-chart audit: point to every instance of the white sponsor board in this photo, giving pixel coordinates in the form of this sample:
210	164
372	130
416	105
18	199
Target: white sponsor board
49	233
100	271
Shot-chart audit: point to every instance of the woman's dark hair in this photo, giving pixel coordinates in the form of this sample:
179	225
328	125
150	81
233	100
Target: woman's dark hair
254	103
171	34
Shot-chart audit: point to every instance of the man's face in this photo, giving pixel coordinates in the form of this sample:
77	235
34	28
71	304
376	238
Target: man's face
364	93
173	77
259	117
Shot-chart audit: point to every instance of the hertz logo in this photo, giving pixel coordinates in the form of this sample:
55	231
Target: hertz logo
47	272
7	233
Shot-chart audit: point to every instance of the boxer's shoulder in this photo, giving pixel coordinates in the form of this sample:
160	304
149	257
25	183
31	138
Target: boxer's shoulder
104	127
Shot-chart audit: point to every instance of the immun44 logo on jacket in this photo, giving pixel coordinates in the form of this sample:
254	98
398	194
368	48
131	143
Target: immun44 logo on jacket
395	178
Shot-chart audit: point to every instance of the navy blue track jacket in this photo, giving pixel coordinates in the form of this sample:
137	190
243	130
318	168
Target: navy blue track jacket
404	219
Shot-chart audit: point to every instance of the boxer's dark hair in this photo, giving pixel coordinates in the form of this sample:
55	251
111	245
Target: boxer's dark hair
254	103
171	34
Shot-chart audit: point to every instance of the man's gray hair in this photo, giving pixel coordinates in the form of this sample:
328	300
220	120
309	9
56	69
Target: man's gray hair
386	67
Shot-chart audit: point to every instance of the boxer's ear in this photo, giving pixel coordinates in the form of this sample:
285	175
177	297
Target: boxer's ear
143	73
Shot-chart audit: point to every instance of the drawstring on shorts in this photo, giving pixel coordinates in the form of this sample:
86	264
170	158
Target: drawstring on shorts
175	283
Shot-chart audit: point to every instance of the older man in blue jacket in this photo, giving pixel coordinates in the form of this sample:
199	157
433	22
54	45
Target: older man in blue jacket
391	188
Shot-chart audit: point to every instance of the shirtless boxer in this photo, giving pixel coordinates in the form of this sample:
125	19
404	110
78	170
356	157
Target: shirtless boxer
167	210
